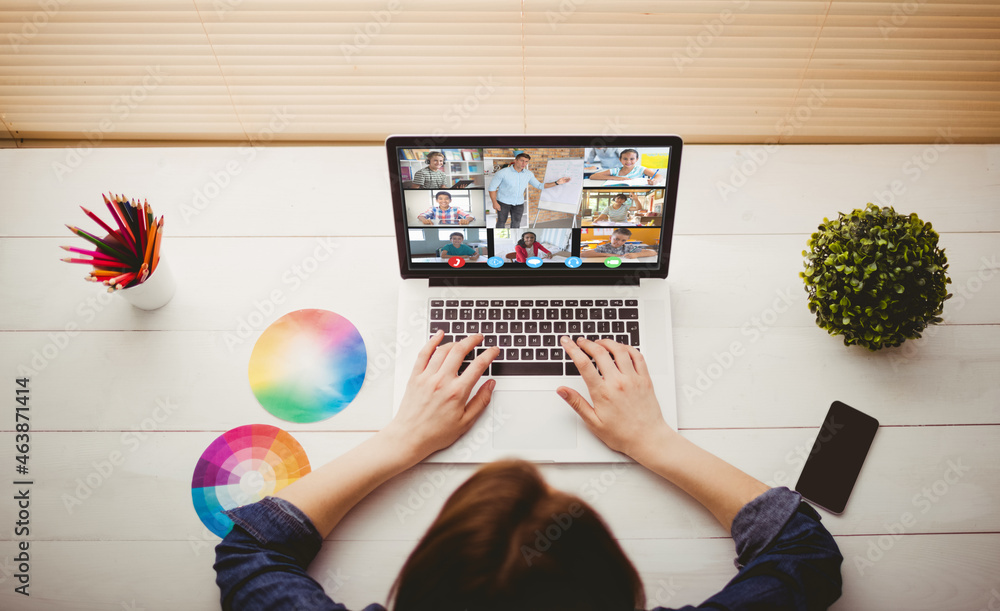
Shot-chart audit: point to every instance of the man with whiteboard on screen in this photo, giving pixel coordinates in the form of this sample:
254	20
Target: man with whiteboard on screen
508	187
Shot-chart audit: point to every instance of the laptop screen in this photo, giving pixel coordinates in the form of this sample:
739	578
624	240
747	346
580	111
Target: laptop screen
550	205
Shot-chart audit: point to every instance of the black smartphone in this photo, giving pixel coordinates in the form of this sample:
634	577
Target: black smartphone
835	461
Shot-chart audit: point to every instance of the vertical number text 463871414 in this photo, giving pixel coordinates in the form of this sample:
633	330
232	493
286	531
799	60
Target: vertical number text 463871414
22	485
21	427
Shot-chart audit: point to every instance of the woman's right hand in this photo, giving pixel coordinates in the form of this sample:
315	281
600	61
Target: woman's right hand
625	414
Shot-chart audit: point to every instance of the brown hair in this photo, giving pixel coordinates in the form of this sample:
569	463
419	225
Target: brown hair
505	540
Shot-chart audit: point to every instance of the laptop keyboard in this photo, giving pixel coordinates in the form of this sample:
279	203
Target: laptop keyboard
527	331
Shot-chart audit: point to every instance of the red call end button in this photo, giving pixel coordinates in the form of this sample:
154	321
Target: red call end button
456	261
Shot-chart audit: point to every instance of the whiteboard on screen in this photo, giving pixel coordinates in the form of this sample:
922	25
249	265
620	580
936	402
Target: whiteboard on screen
565	197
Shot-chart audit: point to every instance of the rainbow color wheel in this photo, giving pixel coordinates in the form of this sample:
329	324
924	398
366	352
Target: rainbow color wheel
243	466
308	365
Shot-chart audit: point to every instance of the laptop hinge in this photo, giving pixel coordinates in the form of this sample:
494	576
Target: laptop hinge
540	281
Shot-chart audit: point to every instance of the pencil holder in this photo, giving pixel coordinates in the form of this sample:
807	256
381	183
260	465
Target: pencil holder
155	292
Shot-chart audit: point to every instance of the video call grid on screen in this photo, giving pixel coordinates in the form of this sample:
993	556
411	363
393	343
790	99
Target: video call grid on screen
595	204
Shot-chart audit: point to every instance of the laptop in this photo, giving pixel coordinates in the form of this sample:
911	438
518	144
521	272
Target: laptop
524	284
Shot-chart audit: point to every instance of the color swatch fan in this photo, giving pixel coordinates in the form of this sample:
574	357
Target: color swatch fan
308	365
243	466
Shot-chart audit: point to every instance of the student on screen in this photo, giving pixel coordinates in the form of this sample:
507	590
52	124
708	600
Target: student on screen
443	213
458	249
617	211
618	247
431	177
528	247
627	169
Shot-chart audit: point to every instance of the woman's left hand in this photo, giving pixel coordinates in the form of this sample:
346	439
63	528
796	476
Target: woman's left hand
436	409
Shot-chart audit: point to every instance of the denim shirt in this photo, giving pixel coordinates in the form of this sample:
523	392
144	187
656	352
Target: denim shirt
786	559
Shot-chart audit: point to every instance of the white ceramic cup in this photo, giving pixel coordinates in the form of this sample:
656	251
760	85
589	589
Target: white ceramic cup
155	292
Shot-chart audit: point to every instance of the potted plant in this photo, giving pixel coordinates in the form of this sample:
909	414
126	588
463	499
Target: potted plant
876	277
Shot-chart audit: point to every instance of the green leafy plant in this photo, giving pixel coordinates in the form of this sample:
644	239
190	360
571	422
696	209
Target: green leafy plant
876	277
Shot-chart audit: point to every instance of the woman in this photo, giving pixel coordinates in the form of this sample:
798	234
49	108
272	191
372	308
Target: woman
431	177
628	169
528	247
483	552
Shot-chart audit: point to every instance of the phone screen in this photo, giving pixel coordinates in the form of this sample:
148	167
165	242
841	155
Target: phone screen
835	461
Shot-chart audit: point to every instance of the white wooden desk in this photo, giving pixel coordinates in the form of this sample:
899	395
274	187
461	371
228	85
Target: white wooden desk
123	401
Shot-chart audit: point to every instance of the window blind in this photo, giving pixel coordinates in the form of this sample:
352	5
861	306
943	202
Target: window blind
111	71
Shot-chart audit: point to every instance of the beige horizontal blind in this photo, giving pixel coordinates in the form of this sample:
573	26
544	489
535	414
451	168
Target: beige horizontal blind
309	70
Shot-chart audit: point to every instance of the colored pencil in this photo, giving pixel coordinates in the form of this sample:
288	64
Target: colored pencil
121	279
99	257
126	256
100	244
83	251
144	219
98	262
148	255
143	229
120	216
133	234
128	207
98	220
156	247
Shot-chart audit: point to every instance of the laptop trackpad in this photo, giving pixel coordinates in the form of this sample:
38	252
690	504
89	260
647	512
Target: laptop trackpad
527	420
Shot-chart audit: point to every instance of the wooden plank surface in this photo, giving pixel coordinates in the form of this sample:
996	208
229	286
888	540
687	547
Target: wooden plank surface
917	573
716	281
947	476
124	401
724	189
